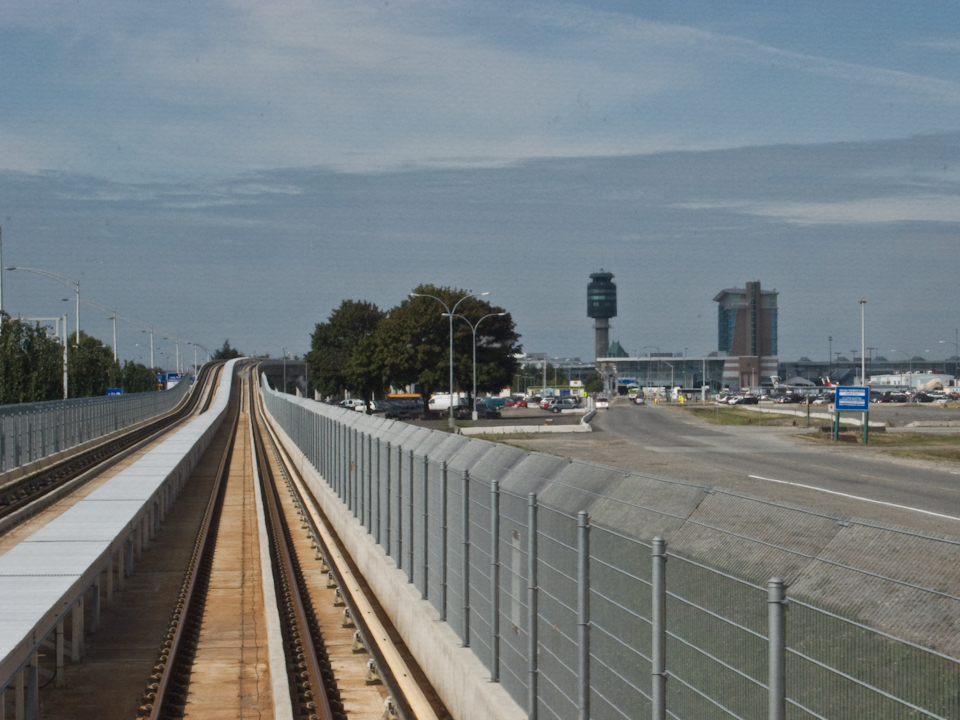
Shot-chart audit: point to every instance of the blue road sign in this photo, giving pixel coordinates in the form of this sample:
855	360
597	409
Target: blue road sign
853	398
114	391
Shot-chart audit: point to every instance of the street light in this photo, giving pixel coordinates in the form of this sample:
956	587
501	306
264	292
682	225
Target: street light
72	284
146	329
657	348
113	316
473	327
450	314
956	350
863	347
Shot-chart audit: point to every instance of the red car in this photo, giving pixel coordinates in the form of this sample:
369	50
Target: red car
520	403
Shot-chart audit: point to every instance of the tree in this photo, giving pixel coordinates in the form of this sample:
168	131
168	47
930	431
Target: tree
594	383
138	378
226	352
31	363
413	343
332	346
91	367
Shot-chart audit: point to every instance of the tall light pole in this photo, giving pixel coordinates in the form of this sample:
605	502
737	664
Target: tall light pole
113	316
145	329
657	348
956	351
65	381
473	328
450	312
863	345
829	355
72	284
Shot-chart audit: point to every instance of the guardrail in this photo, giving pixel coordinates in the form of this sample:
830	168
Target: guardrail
32	431
589	592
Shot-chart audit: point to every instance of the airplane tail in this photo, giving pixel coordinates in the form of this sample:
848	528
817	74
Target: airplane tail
826	382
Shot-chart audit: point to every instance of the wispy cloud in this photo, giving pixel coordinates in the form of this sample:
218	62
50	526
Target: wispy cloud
927	208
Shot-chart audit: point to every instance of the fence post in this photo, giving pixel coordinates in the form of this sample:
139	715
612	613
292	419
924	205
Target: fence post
388	544
377	516
410	503
658	652
369	465
532	613
495	581
400	506
583	610
443	541
465	571
424	527
776	631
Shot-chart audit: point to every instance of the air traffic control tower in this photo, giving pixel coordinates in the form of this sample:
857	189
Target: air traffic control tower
601	306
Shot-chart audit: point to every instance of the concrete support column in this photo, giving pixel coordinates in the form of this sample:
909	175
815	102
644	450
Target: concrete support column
95	607
58	678
76	630
20	710
110	579
33	687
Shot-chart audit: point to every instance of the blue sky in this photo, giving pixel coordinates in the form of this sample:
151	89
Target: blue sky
236	169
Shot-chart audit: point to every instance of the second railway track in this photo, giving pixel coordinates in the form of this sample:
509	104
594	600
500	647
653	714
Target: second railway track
329	653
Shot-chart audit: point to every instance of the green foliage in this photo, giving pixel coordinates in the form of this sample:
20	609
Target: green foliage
90	367
226	352
413	343
593	384
31	363
138	378
333	346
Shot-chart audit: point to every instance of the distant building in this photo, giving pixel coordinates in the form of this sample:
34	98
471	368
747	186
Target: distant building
747	333
601	306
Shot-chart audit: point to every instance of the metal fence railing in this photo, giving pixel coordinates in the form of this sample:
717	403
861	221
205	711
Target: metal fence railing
31	431
588	592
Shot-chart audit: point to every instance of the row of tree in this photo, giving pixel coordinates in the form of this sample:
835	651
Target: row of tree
366	350
31	366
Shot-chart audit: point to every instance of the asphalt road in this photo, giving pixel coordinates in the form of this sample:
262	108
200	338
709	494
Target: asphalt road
773	462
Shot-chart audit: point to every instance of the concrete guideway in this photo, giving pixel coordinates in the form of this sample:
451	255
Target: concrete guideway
48	576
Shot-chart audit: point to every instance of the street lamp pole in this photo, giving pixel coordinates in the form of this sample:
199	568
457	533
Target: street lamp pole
72	284
113	316
449	313
863	347
473	328
657	348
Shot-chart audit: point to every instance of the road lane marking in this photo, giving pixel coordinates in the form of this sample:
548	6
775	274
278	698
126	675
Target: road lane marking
855	497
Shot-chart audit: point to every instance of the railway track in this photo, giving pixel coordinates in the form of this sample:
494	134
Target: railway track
331	654
23	498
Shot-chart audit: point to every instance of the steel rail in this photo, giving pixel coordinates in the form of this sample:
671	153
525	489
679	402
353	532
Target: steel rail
180	641
393	670
311	677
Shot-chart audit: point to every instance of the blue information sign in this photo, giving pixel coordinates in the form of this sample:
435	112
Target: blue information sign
853	398
114	391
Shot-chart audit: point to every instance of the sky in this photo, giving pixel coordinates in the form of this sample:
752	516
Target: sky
234	169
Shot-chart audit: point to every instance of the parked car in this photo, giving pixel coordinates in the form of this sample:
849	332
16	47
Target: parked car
745	400
487	410
602	402
520	403
532	401
638	400
563	403
404	410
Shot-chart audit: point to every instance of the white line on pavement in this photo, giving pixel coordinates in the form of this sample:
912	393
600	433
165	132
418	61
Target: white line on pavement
856	497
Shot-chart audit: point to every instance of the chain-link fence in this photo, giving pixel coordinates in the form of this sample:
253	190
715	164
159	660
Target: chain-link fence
590	592
32	431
